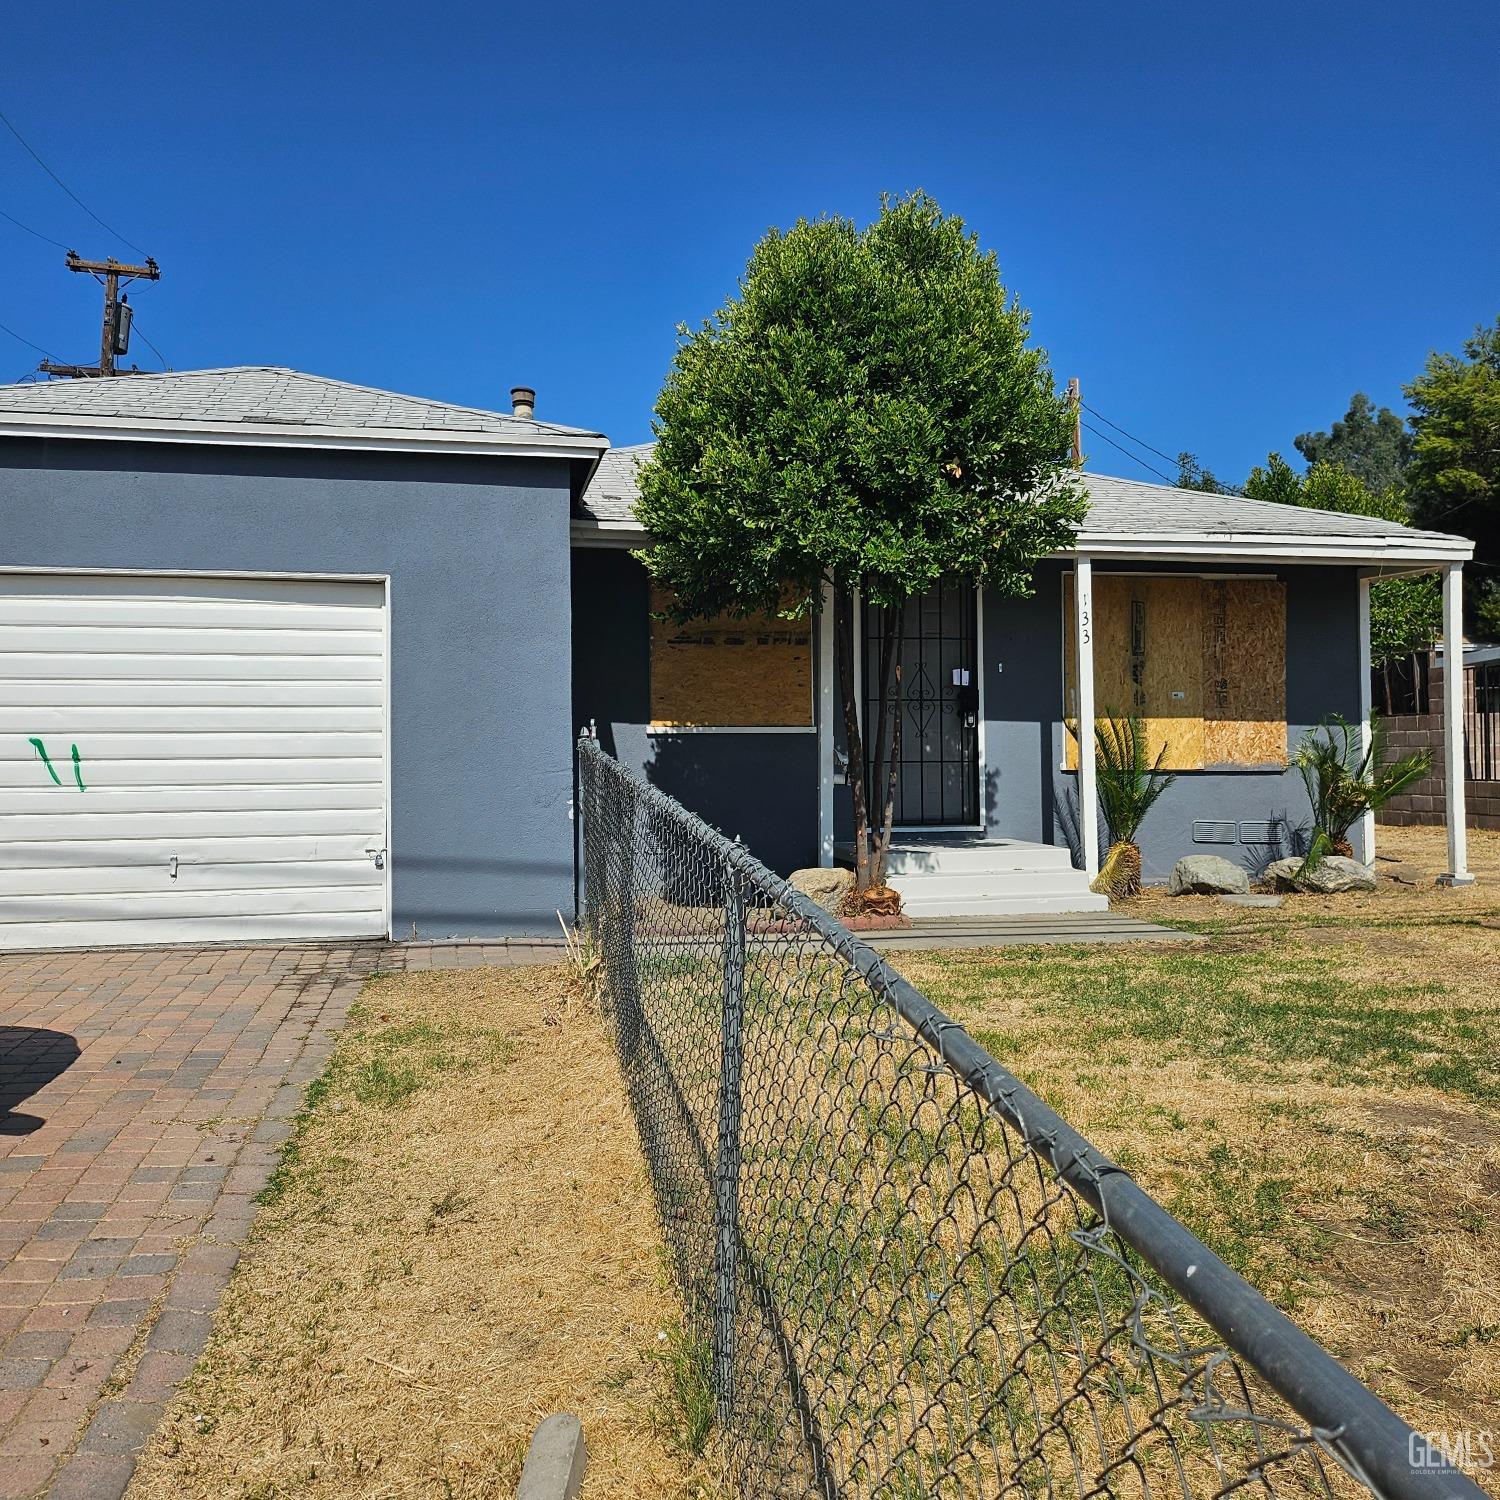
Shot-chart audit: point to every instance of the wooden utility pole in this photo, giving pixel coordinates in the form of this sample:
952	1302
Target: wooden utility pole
115	337
1075	400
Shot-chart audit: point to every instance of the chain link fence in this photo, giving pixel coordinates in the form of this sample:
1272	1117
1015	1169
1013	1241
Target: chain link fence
903	1274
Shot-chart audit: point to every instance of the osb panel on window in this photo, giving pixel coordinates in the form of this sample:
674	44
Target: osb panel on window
1244	672
727	672
1201	662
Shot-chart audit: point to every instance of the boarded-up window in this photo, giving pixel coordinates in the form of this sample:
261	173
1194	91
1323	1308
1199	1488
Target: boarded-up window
726	672
1201	660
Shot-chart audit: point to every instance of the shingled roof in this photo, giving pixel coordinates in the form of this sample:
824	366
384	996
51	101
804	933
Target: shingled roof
1129	518
269	404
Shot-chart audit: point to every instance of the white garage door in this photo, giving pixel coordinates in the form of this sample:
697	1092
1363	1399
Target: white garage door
190	760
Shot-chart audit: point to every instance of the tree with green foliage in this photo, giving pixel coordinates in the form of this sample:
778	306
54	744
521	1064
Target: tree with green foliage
1191	475
866	412
1371	443
1406	614
1454	475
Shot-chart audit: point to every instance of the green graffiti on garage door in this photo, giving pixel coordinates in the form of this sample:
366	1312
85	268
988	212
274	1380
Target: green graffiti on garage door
41	750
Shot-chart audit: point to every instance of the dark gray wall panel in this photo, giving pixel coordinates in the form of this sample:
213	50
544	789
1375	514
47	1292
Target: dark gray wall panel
477	549
762	788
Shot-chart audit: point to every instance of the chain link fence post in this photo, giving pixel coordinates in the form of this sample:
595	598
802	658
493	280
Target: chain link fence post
727	1169
628	980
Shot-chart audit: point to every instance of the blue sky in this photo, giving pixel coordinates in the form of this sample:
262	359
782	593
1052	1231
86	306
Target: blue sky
1224	218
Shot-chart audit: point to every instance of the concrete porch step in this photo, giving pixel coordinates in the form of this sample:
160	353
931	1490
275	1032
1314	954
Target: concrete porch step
917	901
945	854
966	875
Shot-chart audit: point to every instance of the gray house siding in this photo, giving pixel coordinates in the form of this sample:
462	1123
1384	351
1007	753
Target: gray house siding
762	788
477	551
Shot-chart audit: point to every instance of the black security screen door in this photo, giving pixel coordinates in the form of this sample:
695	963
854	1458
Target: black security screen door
937	785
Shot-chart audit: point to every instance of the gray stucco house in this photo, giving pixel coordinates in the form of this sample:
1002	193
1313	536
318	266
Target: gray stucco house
283	657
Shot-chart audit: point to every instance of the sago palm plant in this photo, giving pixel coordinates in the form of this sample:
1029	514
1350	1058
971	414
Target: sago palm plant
1346	776
1129	782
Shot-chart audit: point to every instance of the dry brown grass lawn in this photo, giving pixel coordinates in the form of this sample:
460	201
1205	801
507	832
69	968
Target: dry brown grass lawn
460	1241
462	1238
1315	1090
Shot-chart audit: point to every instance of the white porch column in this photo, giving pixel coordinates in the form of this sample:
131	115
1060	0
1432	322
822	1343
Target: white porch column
1367	821
1083	640
1453	727
825	727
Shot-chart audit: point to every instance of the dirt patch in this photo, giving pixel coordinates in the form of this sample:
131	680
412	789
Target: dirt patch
460	1241
1420	1117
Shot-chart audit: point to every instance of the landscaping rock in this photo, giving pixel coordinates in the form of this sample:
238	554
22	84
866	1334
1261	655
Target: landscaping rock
1207	875
828	888
1329	877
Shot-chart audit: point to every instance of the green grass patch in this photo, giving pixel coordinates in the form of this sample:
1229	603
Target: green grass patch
1278	1005
380	1066
688	1410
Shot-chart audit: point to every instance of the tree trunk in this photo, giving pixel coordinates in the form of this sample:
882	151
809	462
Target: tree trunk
890	685
843	627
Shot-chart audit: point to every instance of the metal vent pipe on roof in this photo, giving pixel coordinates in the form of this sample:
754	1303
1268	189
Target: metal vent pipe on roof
523	401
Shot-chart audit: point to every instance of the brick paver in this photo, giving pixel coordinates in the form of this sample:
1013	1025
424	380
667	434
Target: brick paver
144	1095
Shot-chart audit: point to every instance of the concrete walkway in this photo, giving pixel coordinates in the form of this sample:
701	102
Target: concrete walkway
143	1098
1014	931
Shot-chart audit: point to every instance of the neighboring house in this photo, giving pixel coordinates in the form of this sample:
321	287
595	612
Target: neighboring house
283	657
1419	726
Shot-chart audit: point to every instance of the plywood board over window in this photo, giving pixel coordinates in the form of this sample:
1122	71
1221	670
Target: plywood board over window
729	672
1244	672
1201	661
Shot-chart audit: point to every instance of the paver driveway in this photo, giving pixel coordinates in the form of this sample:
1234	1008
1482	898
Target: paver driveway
143	1096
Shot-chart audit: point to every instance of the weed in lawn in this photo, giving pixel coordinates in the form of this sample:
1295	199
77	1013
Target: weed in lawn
453	1203
1476	1333
687	1411
1385	1216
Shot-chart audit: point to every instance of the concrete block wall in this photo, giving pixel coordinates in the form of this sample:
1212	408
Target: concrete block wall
1426	802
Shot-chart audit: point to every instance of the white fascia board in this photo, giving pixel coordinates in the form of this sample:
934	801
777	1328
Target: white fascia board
1415	552
279	435
1395	555
608	534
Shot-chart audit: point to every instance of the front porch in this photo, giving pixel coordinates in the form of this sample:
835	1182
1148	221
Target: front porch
974	875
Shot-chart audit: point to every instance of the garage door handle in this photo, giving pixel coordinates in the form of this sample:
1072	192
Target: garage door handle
378	855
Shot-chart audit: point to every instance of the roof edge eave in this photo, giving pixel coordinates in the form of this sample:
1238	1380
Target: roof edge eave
278	435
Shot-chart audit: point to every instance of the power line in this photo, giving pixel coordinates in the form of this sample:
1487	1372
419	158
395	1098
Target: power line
29	230
135	327
12	332
69	191
1133	438
1167	478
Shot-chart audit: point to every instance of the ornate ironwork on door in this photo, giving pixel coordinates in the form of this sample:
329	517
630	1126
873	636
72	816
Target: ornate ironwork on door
937	781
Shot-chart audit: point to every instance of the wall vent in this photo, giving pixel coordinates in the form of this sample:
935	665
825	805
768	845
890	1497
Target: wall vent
1261	833
1207	831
